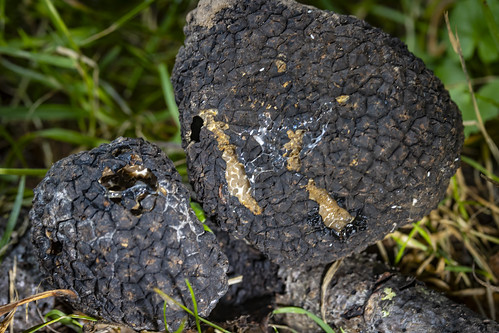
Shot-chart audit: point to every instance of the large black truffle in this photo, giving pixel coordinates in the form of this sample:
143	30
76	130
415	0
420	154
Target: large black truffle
259	280
308	133
115	222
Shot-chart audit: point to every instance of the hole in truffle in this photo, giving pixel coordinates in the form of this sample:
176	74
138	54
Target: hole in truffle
136	212
116	200
197	123
55	248
128	177
129	185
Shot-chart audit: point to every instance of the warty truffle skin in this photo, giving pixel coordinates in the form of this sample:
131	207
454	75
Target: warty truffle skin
115	222
310	134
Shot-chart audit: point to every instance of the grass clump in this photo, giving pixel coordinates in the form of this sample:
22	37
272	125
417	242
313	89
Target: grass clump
455	248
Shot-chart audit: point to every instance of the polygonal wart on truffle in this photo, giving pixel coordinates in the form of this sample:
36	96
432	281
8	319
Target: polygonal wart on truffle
310	134
113	223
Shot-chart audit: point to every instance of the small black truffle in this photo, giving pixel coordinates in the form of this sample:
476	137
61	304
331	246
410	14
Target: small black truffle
115	222
308	133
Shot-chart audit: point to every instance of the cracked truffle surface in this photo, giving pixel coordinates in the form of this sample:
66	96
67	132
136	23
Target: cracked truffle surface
308	133
115	222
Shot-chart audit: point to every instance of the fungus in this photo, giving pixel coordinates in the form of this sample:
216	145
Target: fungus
258	285
112	224
336	133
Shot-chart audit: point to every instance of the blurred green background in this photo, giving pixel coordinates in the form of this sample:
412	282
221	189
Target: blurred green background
85	72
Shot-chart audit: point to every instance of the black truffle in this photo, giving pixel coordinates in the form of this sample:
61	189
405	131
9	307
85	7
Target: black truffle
113	223
308	133
260	282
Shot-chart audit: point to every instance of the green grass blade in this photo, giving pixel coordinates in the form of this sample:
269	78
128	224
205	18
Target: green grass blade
49	81
170	299
125	18
68	320
3	19
131	14
49	59
423	234
477	166
40	326
413	243
328	4
59	23
291	309
180	329
168	93
23	172
194	305
286	328
482	235
164	317
491	22
160	35
14	144
54	313
60	317
198	210
456	195
69	136
403	244
110	57
49	112
169	96
208	229
182	323
109	89
390	14
14	214
463	269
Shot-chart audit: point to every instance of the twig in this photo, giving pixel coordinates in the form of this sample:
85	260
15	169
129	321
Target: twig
325	285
